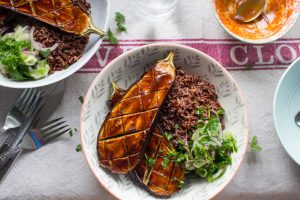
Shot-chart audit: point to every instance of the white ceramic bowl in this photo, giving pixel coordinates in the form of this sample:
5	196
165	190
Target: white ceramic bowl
285	28
100	17
126	69
285	107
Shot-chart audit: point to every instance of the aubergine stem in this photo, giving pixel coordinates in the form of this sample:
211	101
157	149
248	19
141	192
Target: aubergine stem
93	29
117	93
169	59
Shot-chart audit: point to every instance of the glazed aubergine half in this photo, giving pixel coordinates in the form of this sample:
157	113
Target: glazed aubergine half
159	173
127	128
166	128
40	37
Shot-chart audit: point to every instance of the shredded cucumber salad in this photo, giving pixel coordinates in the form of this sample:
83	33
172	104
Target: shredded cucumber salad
20	59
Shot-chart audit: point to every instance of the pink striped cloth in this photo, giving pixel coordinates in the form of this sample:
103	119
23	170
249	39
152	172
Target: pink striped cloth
232	54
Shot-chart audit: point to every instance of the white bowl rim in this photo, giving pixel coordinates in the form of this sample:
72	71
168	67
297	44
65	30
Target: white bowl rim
280	136
250	41
85	59
171	45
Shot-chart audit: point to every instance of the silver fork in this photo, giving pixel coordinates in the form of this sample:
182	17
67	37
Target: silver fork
22	109
37	138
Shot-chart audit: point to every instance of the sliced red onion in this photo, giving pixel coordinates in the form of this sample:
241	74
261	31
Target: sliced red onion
33	53
37	45
185	140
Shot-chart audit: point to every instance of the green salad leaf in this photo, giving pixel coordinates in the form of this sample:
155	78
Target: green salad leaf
18	59
39	71
208	152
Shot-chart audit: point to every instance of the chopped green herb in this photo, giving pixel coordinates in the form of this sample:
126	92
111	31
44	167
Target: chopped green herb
111	37
45	53
199	111
165	162
78	147
150	161
181	184
167	135
81	99
220	112
121	28
180	158
72	131
176	126
254	145
172	153
120	20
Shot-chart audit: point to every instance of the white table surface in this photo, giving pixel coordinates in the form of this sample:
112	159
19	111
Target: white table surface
57	171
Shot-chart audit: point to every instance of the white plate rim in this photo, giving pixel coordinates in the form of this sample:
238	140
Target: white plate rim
275	119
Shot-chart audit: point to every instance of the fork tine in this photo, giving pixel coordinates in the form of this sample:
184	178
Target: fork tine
22	97
53	131
26	100
33	98
54	136
50	127
50	122
30	110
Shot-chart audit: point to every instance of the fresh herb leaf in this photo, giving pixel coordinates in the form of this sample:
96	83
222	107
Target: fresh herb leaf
119	18
81	99
254	145
111	37
199	111
165	163
45	53
181	184
78	147
172	153
176	126
220	112
167	135
73	131
150	161
121	28
180	158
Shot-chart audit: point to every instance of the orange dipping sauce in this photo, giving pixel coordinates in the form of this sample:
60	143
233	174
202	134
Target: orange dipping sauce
275	16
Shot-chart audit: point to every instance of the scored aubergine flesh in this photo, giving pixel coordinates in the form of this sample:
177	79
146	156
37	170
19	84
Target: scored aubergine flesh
158	180
126	129
67	15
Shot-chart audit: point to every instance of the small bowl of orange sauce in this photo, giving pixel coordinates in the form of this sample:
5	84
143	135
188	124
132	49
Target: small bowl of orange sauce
277	19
